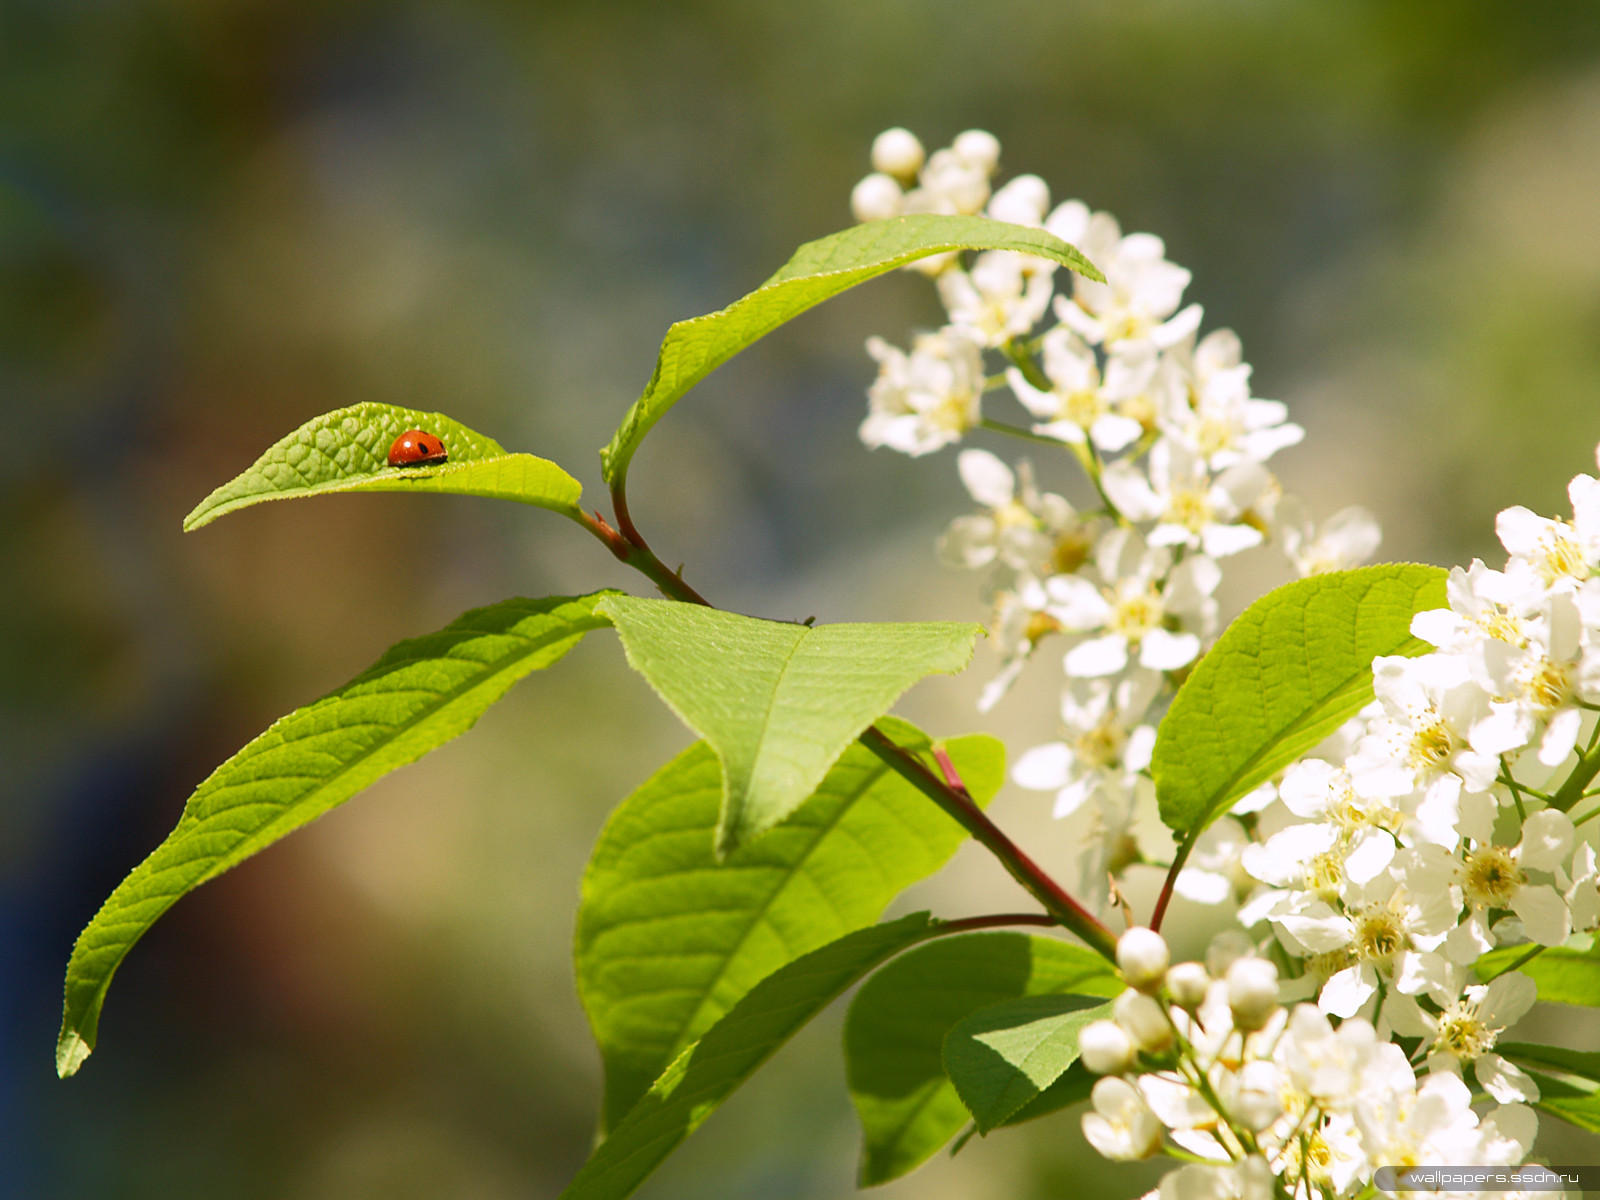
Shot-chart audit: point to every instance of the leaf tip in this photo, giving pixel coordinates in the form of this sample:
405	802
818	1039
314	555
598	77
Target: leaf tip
71	1050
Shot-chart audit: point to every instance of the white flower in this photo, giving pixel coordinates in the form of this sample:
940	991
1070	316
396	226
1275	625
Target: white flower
1583	895
1022	201
1479	611
955	180
1492	877
925	400
1466	1031
1121	1127
1422	741
1347	539
1023	526
1384	931
1247	1180
1434	1124
1002	297
1190	508
1105	741
1131	610
1208	406
1549	555
1141	292
1537	687
1078	405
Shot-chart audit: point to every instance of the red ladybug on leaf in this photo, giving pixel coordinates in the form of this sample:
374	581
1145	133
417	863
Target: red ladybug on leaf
414	448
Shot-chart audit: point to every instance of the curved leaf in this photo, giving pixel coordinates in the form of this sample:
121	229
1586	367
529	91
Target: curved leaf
895	1033
1291	669
419	695
820	269
1583	1063
710	1070
778	702
1564	974
1006	1055
669	938
347	450
1576	1104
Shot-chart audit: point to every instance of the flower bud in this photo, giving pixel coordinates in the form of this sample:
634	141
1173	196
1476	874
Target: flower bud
1145	1020
875	198
1187	983
1121	1127
1105	1047
897	152
1023	201
978	147
1143	956
1252	991
1257	1098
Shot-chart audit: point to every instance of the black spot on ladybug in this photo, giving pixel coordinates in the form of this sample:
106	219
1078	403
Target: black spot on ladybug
415	448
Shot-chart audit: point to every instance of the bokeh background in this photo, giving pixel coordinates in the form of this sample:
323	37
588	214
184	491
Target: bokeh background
219	218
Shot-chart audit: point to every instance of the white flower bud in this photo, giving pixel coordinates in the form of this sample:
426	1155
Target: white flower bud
1143	956
978	147
1023	201
1257	1099
1105	1047
1121	1127
1145	1020
1187	983
875	198
897	152
1252	992
1227	946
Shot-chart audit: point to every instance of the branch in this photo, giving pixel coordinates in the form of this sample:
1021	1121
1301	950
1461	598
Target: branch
949	794
959	805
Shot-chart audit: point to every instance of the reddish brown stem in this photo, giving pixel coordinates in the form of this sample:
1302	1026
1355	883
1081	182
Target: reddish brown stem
949	793
1165	897
959	805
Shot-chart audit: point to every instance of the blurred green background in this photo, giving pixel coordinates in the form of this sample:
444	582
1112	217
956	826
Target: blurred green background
221	217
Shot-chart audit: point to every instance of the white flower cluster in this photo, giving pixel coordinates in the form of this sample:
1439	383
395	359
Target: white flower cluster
1442	828
1441	823
1201	1060
1162	421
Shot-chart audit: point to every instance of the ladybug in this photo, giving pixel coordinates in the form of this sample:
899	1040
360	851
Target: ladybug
413	448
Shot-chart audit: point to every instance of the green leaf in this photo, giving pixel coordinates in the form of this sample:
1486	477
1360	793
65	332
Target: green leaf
778	702
1072	1088
347	450
895	1032
818	270
419	695
1585	1063
709	1071
669	938
1003	1056
1565	974
1576	1105
1290	670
